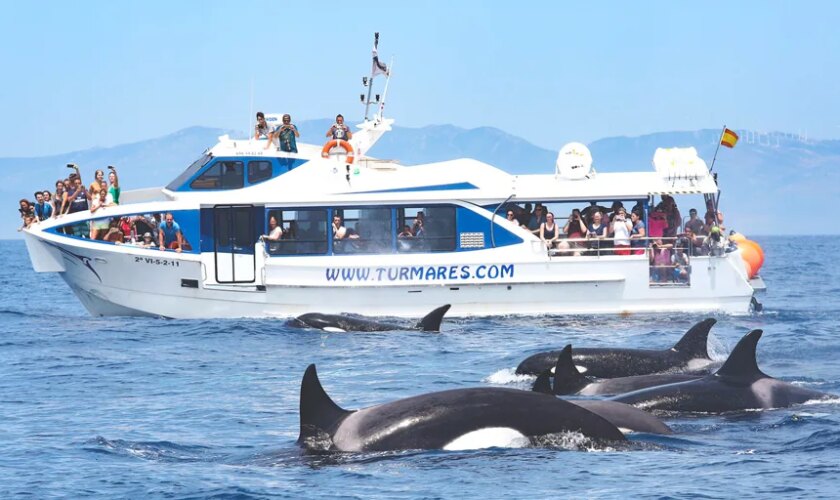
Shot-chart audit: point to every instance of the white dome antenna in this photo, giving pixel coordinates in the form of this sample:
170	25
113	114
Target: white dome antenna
574	161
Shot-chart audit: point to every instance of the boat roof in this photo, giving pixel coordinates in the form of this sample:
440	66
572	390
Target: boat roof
318	180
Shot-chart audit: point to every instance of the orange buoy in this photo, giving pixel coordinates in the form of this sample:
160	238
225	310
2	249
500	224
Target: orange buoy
737	237
760	253
748	268
325	151
750	254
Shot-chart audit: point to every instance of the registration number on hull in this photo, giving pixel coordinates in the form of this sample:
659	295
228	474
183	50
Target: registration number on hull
156	261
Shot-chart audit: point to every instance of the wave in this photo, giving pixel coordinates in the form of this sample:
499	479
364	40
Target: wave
156	451
508	376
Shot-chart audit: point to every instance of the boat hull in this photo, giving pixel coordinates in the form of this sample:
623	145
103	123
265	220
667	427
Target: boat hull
129	281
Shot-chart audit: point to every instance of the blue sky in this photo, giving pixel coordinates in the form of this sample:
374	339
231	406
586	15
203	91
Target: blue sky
84	74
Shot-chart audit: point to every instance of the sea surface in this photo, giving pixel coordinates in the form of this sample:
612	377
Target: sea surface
156	408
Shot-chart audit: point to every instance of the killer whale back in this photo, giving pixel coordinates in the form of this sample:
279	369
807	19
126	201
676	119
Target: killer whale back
567	378
741	362
431	322
318	413
693	343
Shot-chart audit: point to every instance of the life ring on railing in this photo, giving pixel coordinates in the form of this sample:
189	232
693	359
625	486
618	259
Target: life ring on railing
325	151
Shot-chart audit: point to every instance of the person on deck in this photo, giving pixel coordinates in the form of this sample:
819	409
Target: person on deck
339	231
286	134
275	232
169	235
620	230
261	130
114	188
694	223
43	210
339	131
549	232
637	234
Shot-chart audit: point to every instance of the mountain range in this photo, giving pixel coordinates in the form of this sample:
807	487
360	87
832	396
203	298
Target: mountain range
771	183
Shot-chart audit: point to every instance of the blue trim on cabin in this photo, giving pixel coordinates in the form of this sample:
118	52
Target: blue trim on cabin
437	187
280	166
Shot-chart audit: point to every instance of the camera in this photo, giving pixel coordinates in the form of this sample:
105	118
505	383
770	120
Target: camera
111	167
71	165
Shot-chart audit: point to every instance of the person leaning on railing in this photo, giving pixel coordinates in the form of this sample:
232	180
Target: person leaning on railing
575	229
638	234
620	231
597	231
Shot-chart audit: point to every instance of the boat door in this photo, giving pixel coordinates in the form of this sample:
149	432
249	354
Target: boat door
233	243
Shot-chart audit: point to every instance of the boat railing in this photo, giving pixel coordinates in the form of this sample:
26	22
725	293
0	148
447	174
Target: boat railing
669	258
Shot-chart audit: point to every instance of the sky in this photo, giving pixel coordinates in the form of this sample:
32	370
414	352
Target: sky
88	74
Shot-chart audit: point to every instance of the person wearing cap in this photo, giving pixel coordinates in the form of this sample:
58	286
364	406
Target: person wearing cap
147	241
714	242
694	223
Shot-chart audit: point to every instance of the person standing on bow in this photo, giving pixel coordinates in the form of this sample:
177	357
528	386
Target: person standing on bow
261	130
339	131
43	209
286	133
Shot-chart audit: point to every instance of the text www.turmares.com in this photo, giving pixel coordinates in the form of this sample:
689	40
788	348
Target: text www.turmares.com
420	273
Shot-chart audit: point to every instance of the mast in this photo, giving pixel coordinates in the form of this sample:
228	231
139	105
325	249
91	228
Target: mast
376	69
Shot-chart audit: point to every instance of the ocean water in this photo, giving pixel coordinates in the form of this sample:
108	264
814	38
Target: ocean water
154	408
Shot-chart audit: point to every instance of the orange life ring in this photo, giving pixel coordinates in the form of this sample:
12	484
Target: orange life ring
325	151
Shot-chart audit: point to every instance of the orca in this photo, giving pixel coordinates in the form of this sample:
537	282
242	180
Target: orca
455	419
354	323
625	417
738	385
567	380
615	362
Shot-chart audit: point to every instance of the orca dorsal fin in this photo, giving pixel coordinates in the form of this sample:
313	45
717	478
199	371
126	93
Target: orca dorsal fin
431	321
567	378
741	362
317	411
694	343
543	383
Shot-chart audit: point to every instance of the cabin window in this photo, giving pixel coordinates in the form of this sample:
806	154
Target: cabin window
221	175
259	171
304	232
426	229
362	230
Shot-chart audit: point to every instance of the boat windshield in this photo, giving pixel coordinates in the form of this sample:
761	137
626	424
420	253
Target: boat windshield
189	172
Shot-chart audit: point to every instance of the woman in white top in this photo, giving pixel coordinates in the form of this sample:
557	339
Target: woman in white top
275	232
620	230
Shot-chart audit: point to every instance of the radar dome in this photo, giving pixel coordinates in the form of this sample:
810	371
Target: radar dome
574	161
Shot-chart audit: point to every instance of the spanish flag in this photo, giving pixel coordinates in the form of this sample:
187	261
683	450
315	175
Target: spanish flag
729	138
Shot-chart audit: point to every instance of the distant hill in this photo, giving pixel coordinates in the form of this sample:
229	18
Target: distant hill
771	183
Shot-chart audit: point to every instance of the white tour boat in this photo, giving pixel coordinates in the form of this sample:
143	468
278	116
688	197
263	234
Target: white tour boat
458	247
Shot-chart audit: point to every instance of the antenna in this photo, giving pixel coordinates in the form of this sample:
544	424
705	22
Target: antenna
250	111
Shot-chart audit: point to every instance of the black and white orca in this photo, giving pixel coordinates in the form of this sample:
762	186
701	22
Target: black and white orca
690	353
738	385
567	380
627	418
355	323
457	419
